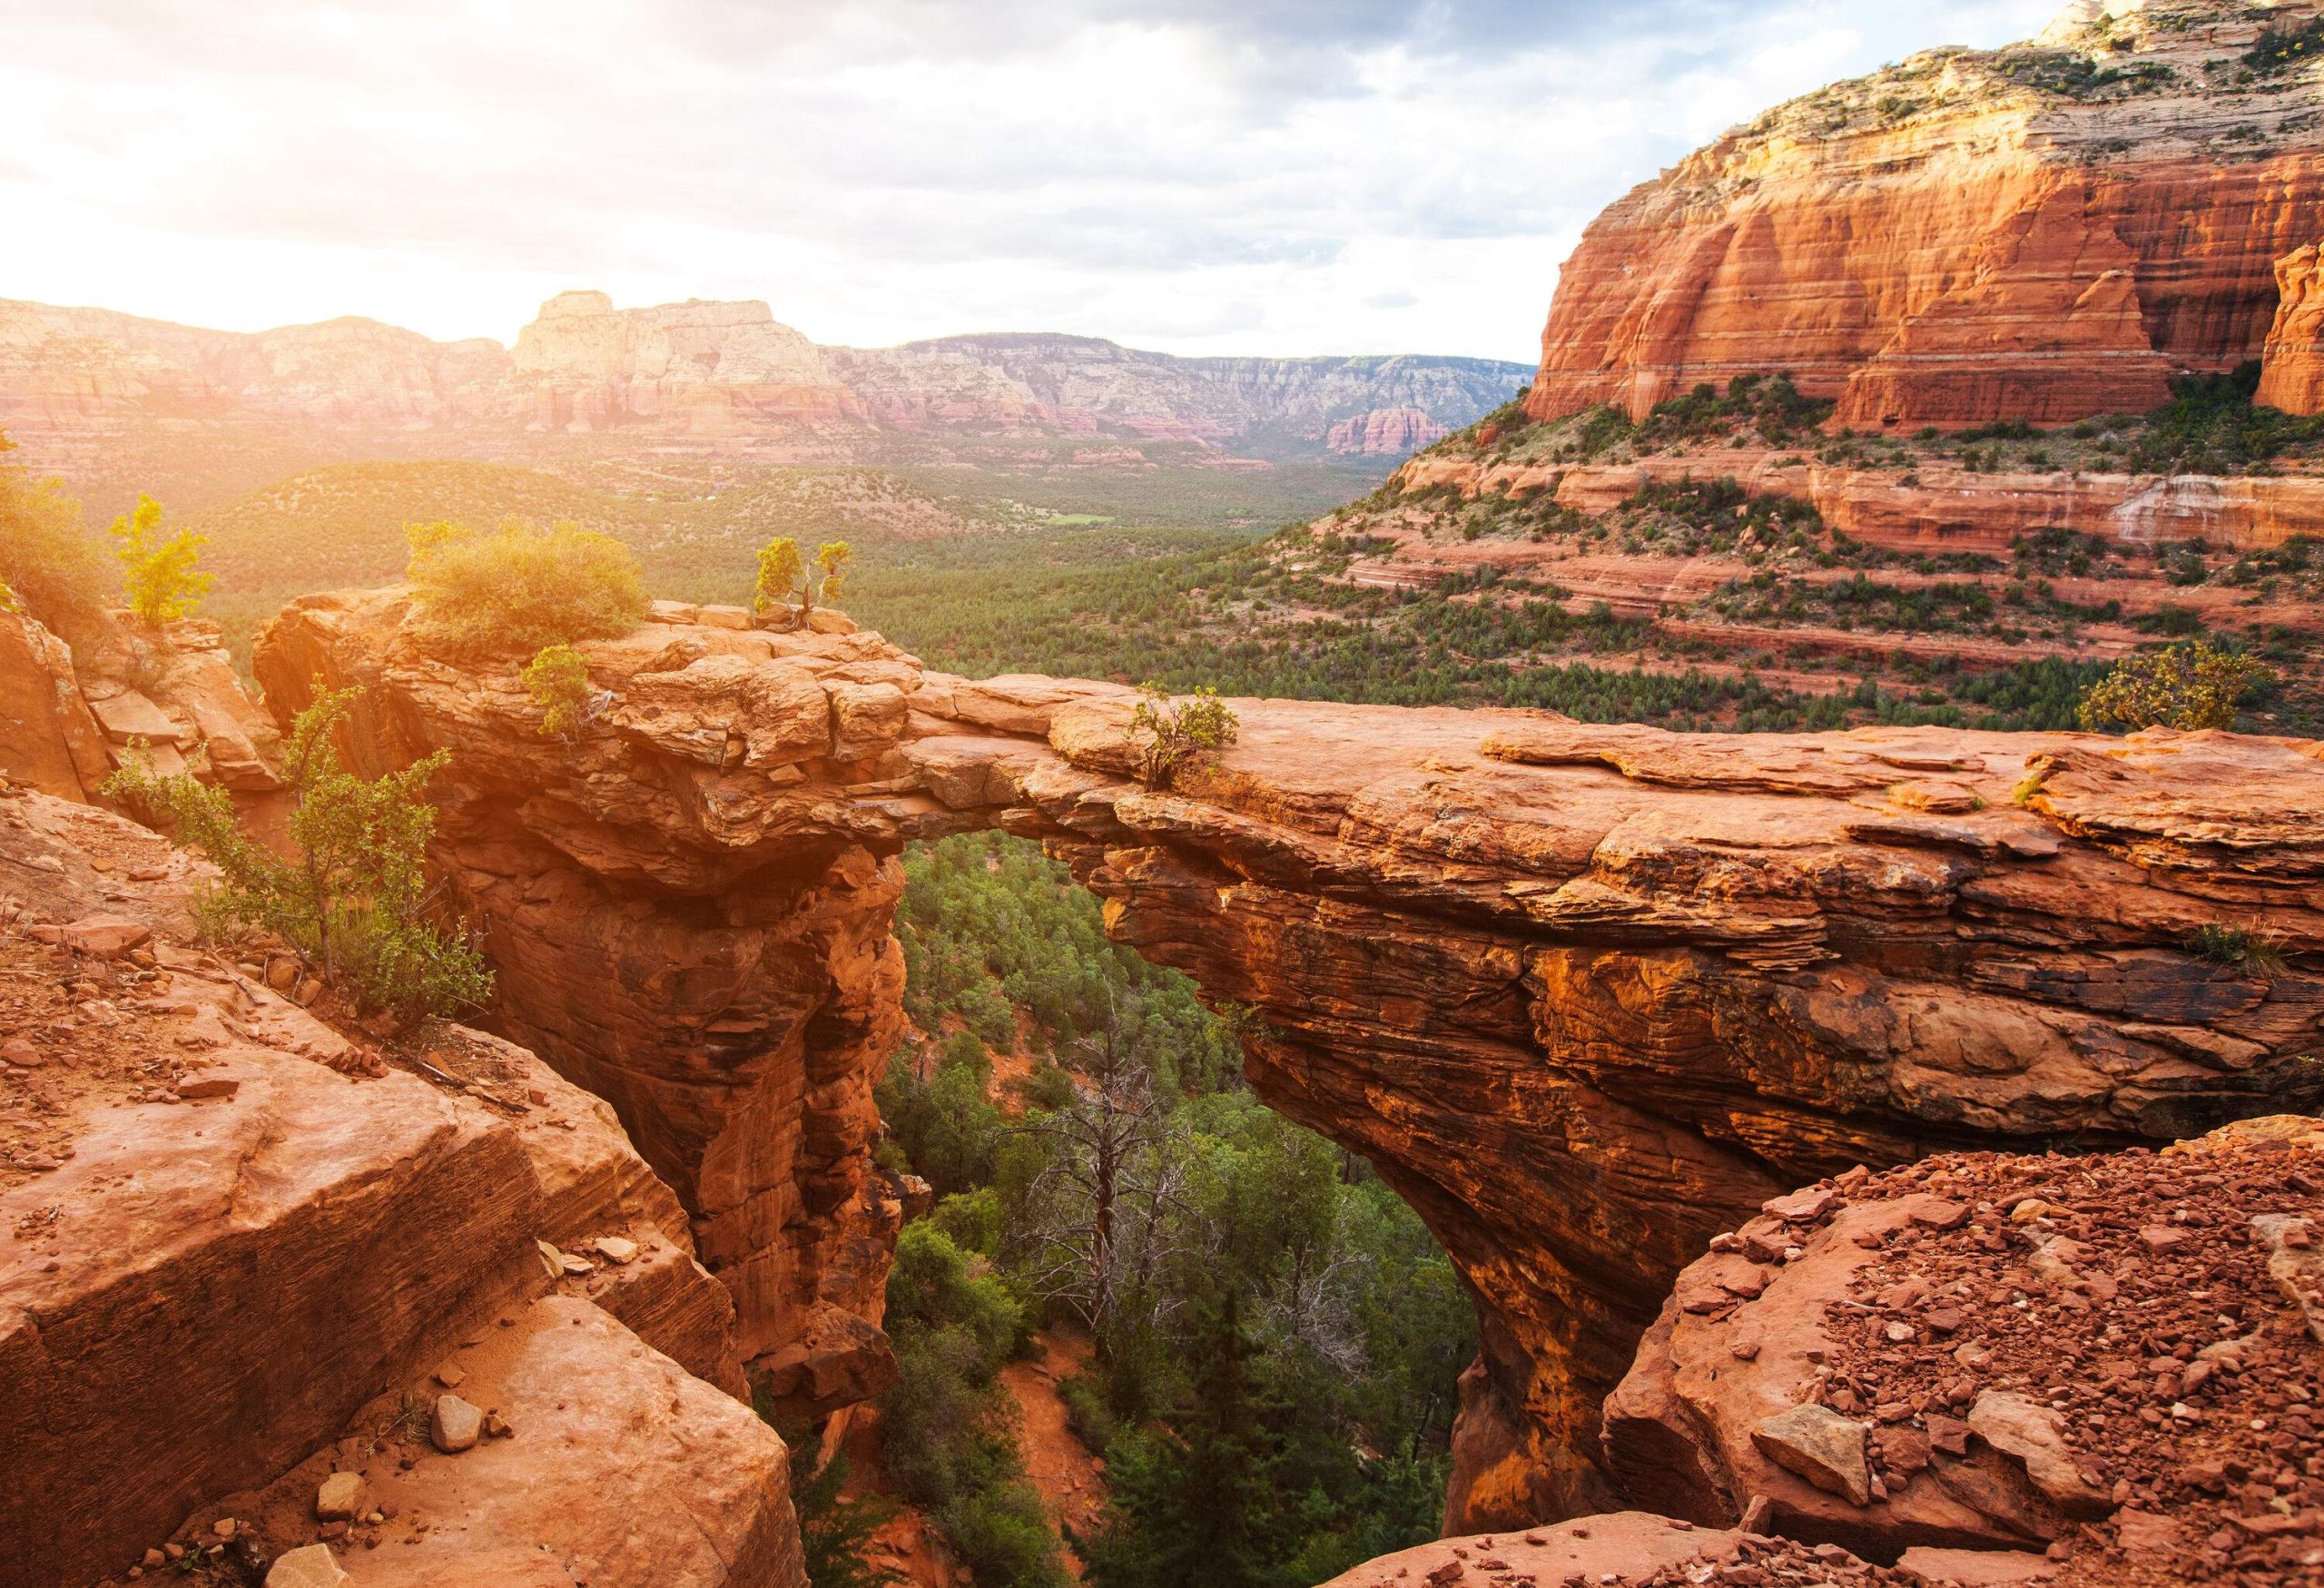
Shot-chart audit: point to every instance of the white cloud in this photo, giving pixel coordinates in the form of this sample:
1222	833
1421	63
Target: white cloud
1269	175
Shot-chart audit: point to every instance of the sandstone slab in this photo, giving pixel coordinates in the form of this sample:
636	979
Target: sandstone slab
1587	995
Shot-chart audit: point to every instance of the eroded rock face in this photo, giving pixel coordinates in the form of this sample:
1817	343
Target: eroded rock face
2291	377
232	1228
2006	1353
2037	233
1584	995
167	697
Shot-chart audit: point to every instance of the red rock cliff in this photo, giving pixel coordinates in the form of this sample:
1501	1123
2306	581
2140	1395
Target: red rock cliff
1585	995
2040	233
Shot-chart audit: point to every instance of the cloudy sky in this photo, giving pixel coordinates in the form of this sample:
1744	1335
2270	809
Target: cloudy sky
1276	176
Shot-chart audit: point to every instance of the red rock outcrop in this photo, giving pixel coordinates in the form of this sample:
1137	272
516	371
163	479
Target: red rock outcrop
1386	431
1637	1549
2111	1357
1584	995
2291	373
1943	508
169	696
231	1229
2041	232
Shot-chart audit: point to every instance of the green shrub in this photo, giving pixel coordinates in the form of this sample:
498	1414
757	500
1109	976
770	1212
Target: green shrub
931	1286
836	1530
518	589
970	1220
1175	732
946	1125
158	572
557	679
356	902
785	578
1086	1412
780	568
2279	49
48	563
2190	685
1003	1534
2245	947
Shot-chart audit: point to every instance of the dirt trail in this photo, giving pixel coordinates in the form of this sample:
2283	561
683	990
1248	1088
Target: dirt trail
1072	1481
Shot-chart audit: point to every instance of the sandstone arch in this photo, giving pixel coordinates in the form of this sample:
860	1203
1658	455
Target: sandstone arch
1584	995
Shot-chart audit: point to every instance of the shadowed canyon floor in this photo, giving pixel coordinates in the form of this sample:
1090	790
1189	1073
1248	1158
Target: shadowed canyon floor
1585	996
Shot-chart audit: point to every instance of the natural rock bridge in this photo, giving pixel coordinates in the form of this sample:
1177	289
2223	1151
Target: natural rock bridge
1585	996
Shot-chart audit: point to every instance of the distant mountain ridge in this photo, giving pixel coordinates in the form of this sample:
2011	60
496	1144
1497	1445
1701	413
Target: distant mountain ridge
723	373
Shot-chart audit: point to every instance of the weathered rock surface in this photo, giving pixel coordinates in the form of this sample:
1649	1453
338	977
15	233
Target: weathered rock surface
1635	1549
1585	995
1618	1544
595	1459
2041	232
1390	432
1944	508
167	696
2292	375
232	1229
2090	1354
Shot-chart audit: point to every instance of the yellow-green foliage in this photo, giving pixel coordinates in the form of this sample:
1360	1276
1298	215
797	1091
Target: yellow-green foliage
558	681
2189	685
356	902
830	557
158	571
518	588
785	578
48	563
779	571
1169	733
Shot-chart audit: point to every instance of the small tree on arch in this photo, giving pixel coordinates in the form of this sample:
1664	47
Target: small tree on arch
787	580
1168	733
557	679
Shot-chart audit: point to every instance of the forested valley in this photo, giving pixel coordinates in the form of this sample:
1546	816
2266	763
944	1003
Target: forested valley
1275	1337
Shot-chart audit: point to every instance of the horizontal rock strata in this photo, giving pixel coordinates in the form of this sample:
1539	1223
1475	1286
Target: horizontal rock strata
1585	995
2041	232
232	1227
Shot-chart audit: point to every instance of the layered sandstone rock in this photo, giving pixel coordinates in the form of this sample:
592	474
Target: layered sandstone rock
1585	995
2292	375
694	366
233	1228
1388	432
1941	507
2041	232
167	697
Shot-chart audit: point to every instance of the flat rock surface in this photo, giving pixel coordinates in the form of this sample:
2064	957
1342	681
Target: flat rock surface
619	1470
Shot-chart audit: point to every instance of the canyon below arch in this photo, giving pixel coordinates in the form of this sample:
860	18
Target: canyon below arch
1586	996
